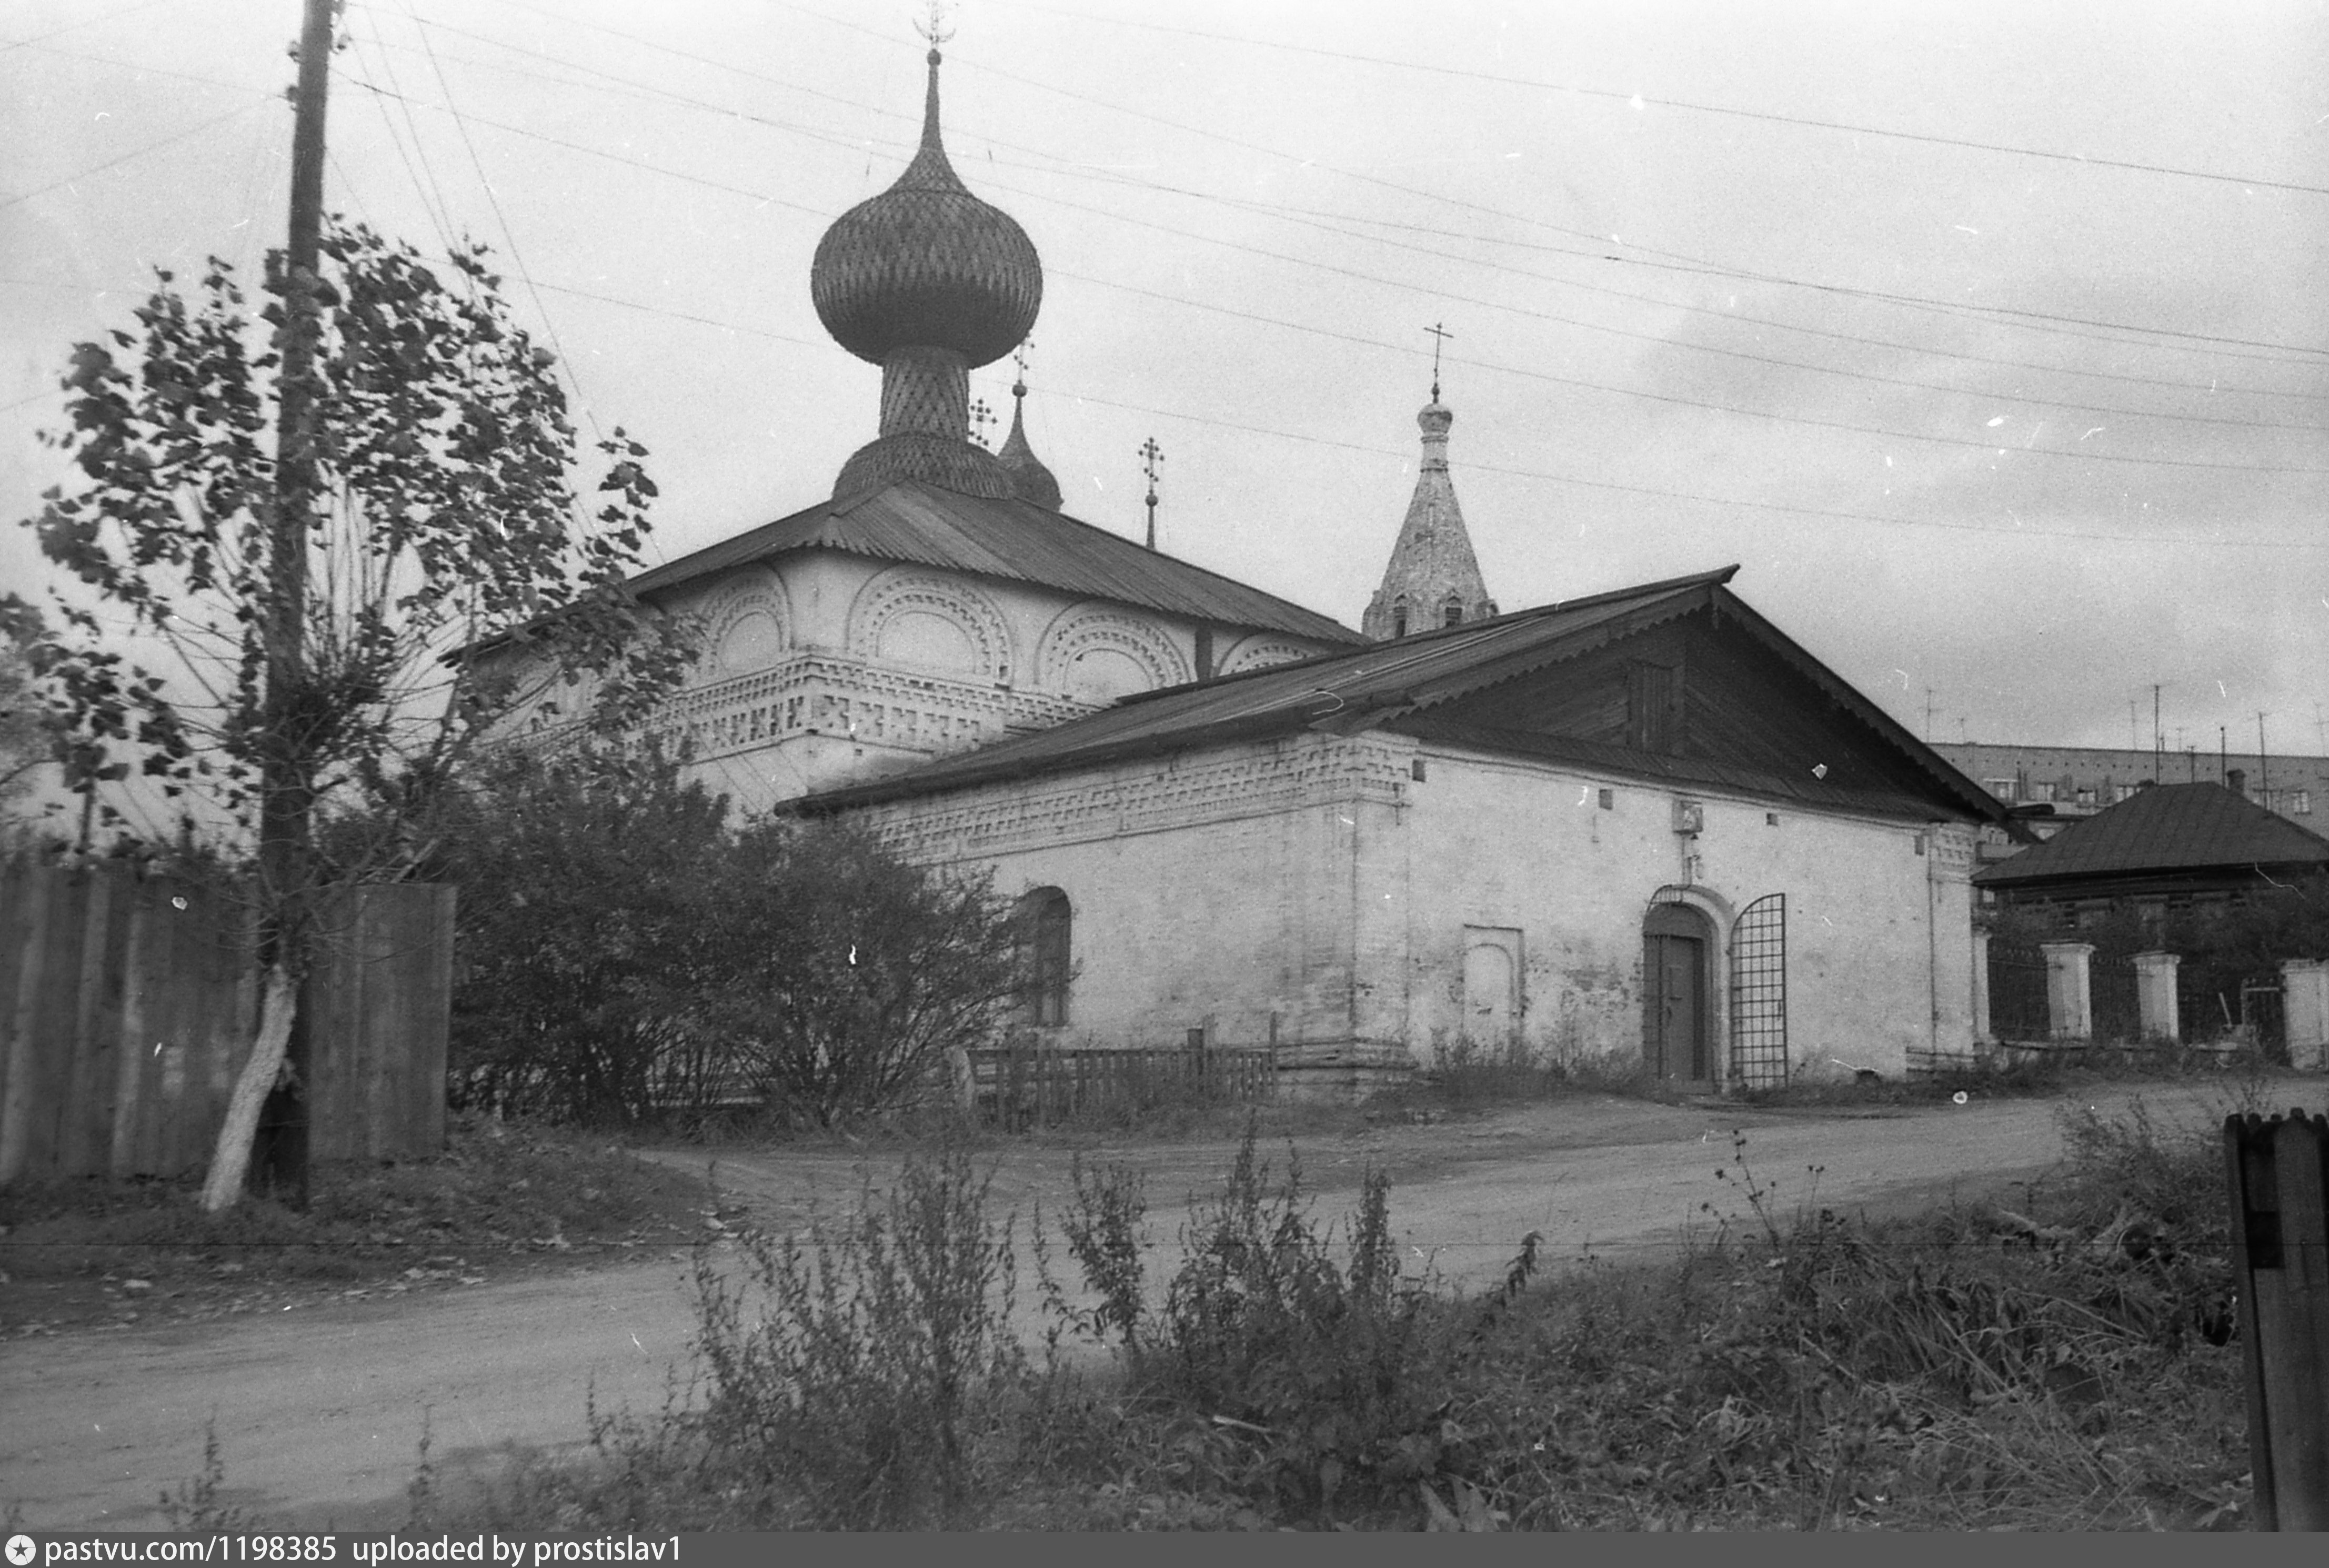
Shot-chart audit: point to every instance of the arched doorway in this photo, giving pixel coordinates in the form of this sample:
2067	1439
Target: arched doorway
1677	1002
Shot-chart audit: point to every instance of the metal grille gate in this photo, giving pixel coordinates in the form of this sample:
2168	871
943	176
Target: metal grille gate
1759	994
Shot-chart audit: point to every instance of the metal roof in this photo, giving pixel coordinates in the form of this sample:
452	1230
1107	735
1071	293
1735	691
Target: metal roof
1383	683
1015	539
2166	827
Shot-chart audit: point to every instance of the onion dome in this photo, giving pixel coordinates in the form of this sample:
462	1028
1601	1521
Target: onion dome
1030	480
926	265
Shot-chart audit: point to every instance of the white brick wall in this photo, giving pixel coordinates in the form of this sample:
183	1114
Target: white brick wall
1312	882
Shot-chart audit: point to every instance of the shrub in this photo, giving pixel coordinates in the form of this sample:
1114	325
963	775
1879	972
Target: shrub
622	954
860	1392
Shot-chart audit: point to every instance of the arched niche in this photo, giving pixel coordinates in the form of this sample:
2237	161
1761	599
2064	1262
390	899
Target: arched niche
921	620
747	626
1100	653
1256	653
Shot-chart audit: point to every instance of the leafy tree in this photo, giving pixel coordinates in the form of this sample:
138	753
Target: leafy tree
587	883
436	526
850	973
623	953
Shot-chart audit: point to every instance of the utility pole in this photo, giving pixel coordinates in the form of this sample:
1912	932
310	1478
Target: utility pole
1929	714
2159	737
287	783
2264	763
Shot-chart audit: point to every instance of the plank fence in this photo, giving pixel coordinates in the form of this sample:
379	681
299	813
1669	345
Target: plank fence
1023	1085
128	1003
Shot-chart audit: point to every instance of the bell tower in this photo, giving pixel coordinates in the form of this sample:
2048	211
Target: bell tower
1433	579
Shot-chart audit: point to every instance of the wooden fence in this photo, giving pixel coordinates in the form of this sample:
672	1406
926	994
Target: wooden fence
1024	1085
127	1004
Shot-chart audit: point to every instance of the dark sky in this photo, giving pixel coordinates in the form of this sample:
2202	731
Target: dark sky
2027	433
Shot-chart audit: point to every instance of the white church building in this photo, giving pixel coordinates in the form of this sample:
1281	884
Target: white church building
1641	825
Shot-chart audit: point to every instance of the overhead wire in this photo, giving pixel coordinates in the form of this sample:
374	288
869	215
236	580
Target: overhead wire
1953	308
1767	115
1546	376
581	510
1325	222
1949	306
2214	388
151	146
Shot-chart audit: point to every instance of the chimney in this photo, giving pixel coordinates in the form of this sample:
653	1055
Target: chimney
2235	779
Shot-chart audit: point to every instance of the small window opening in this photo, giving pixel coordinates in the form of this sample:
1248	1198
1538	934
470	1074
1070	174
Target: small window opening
1608	799
1046	922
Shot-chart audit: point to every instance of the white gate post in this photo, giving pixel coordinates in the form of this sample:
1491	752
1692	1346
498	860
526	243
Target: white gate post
2304	1012
2155	1001
1981	1035
2069	1004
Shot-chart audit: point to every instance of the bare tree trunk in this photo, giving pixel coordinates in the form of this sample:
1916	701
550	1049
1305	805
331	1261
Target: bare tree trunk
231	1161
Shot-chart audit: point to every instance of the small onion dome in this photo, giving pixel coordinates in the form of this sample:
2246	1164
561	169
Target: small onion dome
927	264
1029	478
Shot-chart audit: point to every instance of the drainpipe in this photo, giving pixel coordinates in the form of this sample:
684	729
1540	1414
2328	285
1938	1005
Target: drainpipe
1932	943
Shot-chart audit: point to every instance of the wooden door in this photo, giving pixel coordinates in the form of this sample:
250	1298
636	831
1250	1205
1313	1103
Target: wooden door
1675	1044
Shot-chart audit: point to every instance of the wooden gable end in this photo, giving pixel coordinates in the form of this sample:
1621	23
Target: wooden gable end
1692	691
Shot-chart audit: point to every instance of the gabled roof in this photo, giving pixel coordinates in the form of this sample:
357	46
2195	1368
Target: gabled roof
1397	685
2166	827
1008	538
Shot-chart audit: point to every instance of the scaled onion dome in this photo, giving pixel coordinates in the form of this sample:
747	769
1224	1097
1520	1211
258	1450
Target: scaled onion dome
926	265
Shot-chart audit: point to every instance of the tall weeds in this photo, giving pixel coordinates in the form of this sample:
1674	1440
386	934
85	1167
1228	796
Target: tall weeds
856	1374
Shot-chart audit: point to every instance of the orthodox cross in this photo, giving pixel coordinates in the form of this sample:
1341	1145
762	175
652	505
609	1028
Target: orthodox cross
1439	335
1019	359
1151	453
933	30
981	416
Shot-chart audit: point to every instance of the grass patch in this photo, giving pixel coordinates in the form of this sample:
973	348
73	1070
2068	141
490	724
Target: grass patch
501	1198
2069	1366
2066	1364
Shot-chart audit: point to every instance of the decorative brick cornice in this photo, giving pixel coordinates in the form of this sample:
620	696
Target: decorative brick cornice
1950	846
828	694
1244	780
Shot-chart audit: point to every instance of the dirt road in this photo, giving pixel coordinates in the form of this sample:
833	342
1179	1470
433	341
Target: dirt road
318	1411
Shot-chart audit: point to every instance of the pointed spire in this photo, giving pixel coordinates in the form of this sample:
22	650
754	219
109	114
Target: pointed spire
1433	579
1029	477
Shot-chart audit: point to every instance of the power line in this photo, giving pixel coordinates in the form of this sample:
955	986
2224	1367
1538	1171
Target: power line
1765	116
1324	222
1054	165
1376	342
1214	421
581	512
213	121
84	22
1952	307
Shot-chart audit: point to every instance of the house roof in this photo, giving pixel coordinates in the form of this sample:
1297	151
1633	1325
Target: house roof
1398	683
2166	827
1008	538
